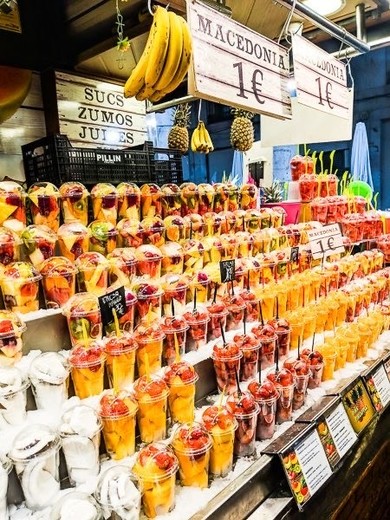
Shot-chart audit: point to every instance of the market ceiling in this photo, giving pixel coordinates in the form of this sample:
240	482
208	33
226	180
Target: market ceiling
81	34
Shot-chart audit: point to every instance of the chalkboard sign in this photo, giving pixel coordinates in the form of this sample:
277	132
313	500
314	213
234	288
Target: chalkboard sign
115	300
294	254
228	270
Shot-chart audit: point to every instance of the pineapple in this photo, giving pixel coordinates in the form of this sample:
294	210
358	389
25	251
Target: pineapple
272	194
242	132
178	138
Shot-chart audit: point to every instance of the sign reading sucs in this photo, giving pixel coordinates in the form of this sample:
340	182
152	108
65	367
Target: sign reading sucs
236	66
95	112
321	80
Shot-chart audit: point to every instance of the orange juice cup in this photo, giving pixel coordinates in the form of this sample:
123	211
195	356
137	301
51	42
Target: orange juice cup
149	338
73	240
87	369
20	287
105	199
120	362
58	281
181	379
74	202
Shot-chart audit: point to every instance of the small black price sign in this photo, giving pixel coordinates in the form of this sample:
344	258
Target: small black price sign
228	270
294	254
110	302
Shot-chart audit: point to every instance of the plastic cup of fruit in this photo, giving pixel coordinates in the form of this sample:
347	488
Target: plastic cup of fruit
353	343
20	287
120	361
44	199
249	345
319	209
105	199
175	330
248	196
174	293
117	412
245	409
212	250
190	198
122	266
58	281
119	493
218	314
149	299
302	376
35	455
267	351
206	198
174	228
235	306
80	440
12	204
74	202
181	379
329	365
38	243
150	201
11	342
73	240
200	282
226	360
193	256
10	246
149	337
308	187
153	231
92	275
284	380
198	320
315	361
170	200
149	259
296	337
221	424
266	396
85	505
283	340
194	227
341	353
129	233
173	257
49	377
5	469
192	444
13	397
221	197
87	369
252	304
151	393
103	236
129	201
364	342
84	319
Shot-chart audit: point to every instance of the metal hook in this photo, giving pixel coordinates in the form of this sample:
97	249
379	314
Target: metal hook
199	109
150	7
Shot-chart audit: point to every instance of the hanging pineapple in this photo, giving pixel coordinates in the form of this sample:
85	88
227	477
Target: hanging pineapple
178	138
242	132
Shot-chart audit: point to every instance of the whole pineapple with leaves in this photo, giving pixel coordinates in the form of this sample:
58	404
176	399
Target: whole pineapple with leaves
178	138
242	132
273	193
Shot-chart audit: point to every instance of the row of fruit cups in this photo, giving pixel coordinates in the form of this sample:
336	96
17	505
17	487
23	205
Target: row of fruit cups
46	202
328	210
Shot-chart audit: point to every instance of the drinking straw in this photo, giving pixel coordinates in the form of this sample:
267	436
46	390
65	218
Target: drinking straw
248	282
261	353
313	341
277	307
190	229
221	398
194	300
215	292
116	322
177	350
277	358
173	307
223	334
243	222
85	333
239	393
314	159
261	313
244	322
331	157
321	158
299	347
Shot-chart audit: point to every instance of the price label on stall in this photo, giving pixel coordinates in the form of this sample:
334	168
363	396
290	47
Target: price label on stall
326	241
378	386
111	304
232	64
358	405
321	79
228	270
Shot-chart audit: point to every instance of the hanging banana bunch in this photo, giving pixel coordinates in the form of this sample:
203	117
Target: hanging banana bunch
165	59
200	140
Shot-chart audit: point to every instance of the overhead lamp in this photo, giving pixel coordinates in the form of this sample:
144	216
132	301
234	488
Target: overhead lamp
325	8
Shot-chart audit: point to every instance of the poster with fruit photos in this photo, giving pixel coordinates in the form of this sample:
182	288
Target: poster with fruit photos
378	386
386	364
358	405
306	466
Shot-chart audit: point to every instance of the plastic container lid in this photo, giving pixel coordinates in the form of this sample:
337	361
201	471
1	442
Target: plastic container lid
81	304
149	469
57	266
10	324
81	357
191	434
73	189
90	260
49	367
76	504
34	442
118	487
12	380
9	237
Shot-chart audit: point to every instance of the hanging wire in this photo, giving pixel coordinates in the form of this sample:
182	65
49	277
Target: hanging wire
199	109
284	30
347	60
122	44
150	7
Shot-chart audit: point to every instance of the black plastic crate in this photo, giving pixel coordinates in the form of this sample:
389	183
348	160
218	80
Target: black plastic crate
168	166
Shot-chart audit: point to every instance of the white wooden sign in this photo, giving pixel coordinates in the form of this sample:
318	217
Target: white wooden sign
236	66
326	241
321	79
96	113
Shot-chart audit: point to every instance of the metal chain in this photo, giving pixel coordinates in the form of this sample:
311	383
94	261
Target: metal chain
123	44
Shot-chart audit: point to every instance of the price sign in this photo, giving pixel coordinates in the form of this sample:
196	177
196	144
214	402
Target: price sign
236	66
378	386
294	254
326	241
113	301
358	406
227	270
321	80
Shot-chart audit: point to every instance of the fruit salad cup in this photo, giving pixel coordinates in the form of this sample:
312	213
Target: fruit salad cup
193	227
221	424
319	209
150	337
283	333
213	223
315	361
170	200
13	397
58	281
284	380
49	377
117	411
84	320
197	320
193	256
151	393
174	228
120	361
85	505
150	201
266	396
103	237
87	369
149	259
308	187
129	233
300	368
189	198
174	344
173	256
181	379
156	466
153	231
213	250
300	165
245	409
92	275
44	202
226	360
221	197
20	287
248	196
10	245
39	243
73	240
74	202
199	282
235	305
129	202
206	198
229	222
174	288
12	205
122	266
149	299
105	199
11	343
192	444
229	246
249	345
218	314
268	340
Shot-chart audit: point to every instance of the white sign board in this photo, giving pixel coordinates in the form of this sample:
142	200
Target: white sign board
321	79
326	241
236	66
97	114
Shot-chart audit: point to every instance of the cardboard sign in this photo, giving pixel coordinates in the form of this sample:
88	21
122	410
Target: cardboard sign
326	241
236	66
378	386
113	301
228	270
321	79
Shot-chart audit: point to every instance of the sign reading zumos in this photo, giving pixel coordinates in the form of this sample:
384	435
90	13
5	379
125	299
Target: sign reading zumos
321	80
94	112
236	66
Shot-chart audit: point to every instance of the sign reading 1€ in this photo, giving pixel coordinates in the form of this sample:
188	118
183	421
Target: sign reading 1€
236	66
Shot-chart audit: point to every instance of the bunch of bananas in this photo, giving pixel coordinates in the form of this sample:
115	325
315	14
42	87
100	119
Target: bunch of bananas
165	59
201	140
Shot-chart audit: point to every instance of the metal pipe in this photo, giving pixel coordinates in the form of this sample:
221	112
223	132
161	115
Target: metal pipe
168	104
326	25
361	30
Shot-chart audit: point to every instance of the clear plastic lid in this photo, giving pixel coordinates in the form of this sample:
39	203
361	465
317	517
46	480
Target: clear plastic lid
115	405
73	229
33	442
155	461
192	439
76	504
104	189
90	260
42	189
10	324
80	420
81	357
9	237
81	304
21	270
33	233
57	266
49	367
73	189
102	230
118	487
12	380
